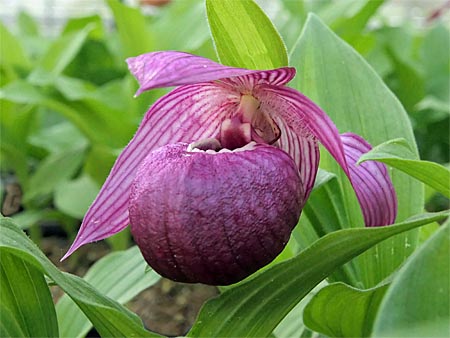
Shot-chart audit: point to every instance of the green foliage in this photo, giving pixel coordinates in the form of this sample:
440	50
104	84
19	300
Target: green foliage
350	92
398	154
26	308
417	302
244	36
120	276
339	310
240	312
108	316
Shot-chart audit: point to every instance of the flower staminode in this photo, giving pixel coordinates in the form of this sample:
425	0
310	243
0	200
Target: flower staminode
220	168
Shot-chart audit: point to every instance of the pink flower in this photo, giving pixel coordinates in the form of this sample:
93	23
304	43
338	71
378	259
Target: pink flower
220	168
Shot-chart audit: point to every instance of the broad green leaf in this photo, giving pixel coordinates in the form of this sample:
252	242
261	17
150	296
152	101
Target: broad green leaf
292	325
59	54
134	36
27	24
32	217
93	117
435	52
53	171
244	36
58	138
339	310
26	309
341	82
417	303
11	53
108	317
99	161
119	276
324	213
255	308
350	23
74	197
179	26
97	30
397	154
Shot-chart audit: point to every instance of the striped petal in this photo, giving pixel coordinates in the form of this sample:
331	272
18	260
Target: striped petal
304	151
371	183
186	114
166	69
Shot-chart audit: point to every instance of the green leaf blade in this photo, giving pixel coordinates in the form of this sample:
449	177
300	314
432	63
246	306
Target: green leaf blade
417	303
342	83
394	153
26	300
120	276
339	310
256	307
244	36
109	317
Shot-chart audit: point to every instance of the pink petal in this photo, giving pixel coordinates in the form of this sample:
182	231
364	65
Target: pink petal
371	183
372	178
186	114
166	69
304	151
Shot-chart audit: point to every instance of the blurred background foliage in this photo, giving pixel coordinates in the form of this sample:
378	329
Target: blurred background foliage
67	105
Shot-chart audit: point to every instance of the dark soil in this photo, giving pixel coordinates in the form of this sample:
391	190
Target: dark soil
168	308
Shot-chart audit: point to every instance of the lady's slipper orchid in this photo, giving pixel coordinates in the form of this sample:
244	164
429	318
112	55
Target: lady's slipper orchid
220	168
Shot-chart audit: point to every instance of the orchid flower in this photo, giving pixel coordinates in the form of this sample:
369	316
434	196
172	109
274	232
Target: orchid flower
220	168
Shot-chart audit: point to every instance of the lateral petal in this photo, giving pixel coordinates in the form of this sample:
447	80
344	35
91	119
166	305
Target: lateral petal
304	151
171	68
371	183
186	114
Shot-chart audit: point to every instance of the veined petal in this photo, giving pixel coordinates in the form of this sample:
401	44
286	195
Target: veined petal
371	183
186	114
170	68
304	151
372	178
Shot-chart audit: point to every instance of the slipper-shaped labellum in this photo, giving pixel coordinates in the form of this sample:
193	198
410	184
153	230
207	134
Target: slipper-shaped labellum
220	168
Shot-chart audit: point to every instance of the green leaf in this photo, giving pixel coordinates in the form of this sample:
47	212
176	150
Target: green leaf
397	154
350	23
244	36
179	26
135	37
58	138
53	171
417	304
26	309
254	308
340	310
341	82
12	52
59	54
293	325
95	119
119	276
108	317
74	197
324	213
27	24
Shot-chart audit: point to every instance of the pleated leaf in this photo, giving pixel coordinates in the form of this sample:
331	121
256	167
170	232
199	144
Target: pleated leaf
244	36
119	276
397	154
340	310
255	308
108	316
343	84
418	304
26	307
